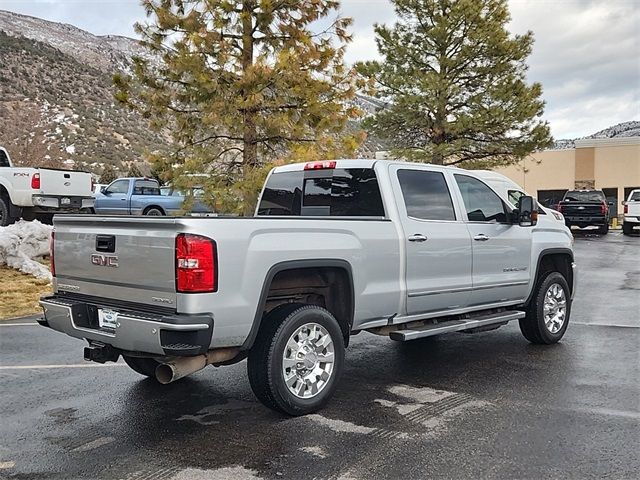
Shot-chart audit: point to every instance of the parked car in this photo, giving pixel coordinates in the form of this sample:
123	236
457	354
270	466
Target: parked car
584	208
512	192
140	196
631	212
31	193
335	248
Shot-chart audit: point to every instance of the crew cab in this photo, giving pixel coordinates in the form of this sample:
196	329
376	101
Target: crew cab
335	248
140	196
40	192
585	208
631	212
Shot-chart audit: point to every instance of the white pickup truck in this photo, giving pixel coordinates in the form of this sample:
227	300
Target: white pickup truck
40	192
631	212
335	248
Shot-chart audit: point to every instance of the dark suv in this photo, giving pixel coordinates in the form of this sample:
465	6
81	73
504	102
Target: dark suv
585	208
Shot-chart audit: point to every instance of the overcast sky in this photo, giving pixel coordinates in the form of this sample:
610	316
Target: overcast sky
586	53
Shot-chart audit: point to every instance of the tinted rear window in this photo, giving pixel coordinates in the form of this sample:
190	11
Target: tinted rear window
577	196
352	192
426	195
146	187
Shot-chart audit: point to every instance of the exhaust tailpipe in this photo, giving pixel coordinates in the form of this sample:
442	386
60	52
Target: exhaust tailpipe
181	367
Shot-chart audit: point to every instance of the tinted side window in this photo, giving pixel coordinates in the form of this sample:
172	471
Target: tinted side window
426	195
4	160
482	203
340	192
146	187
282	194
119	186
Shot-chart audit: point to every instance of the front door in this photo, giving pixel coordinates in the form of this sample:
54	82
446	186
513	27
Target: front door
114	199
501	249
437	242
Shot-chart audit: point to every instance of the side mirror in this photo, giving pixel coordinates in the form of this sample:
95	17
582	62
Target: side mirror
527	211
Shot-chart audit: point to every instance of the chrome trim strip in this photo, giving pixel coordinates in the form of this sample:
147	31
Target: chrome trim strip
466	289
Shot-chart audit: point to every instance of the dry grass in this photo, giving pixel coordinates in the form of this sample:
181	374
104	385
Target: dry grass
19	293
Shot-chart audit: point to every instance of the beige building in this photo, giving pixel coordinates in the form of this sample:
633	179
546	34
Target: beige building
609	164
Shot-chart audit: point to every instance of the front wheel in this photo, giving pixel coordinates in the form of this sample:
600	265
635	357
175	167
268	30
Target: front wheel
548	314
297	359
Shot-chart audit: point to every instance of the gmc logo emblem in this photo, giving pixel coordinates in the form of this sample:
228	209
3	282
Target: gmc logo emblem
104	260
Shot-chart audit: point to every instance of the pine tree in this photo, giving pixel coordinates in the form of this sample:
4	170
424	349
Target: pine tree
239	82
454	80
108	175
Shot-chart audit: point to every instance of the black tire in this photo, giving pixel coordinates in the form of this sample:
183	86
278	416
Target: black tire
568	224
627	229
154	212
533	326
5	209
264	364
143	366
604	229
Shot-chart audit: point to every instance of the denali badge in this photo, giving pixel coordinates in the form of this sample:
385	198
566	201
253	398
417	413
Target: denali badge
104	260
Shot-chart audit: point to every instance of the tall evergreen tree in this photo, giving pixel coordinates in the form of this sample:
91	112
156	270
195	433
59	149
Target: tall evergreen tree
109	174
454	80
239	82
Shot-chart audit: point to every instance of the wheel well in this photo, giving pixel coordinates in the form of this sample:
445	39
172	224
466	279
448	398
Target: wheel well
557	262
327	287
146	209
3	192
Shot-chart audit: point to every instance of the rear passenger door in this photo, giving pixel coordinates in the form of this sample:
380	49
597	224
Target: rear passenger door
436	241
501	249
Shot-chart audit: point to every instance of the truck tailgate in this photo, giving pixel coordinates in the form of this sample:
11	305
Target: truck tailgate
65	183
116	257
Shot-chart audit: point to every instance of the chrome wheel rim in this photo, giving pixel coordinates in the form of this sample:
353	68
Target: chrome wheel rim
555	308
307	363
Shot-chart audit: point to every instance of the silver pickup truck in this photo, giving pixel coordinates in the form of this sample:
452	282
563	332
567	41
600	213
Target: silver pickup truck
335	248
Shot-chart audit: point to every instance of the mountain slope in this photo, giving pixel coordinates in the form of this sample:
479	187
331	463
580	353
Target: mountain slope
56	110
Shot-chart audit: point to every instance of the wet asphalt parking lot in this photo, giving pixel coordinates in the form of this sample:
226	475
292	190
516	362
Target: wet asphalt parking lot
487	405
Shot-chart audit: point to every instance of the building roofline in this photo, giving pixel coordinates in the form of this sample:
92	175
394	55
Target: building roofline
607	142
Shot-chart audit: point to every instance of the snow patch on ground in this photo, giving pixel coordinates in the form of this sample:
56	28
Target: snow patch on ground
339	426
227	473
22	243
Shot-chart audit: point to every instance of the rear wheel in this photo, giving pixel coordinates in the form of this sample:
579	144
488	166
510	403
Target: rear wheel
154	212
143	366
627	228
604	229
548	314
297	359
5	210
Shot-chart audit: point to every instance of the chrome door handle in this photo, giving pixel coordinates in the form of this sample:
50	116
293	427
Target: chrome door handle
481	237
417	237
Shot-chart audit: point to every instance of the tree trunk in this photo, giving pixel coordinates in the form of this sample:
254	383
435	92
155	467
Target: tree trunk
249	137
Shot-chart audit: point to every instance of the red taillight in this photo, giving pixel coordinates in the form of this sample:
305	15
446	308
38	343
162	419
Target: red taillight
93	183
320	165
35	181
196	264
559	208
626	208
52	260
603	208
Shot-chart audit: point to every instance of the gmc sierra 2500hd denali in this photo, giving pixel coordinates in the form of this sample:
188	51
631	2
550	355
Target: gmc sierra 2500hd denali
335	248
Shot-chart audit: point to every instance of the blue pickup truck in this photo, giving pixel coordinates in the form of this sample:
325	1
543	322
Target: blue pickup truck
141	196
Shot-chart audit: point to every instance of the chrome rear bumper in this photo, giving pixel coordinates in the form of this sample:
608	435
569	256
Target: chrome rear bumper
135	331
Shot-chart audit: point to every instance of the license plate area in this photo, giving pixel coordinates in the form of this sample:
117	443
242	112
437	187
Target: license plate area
107	318
65	201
